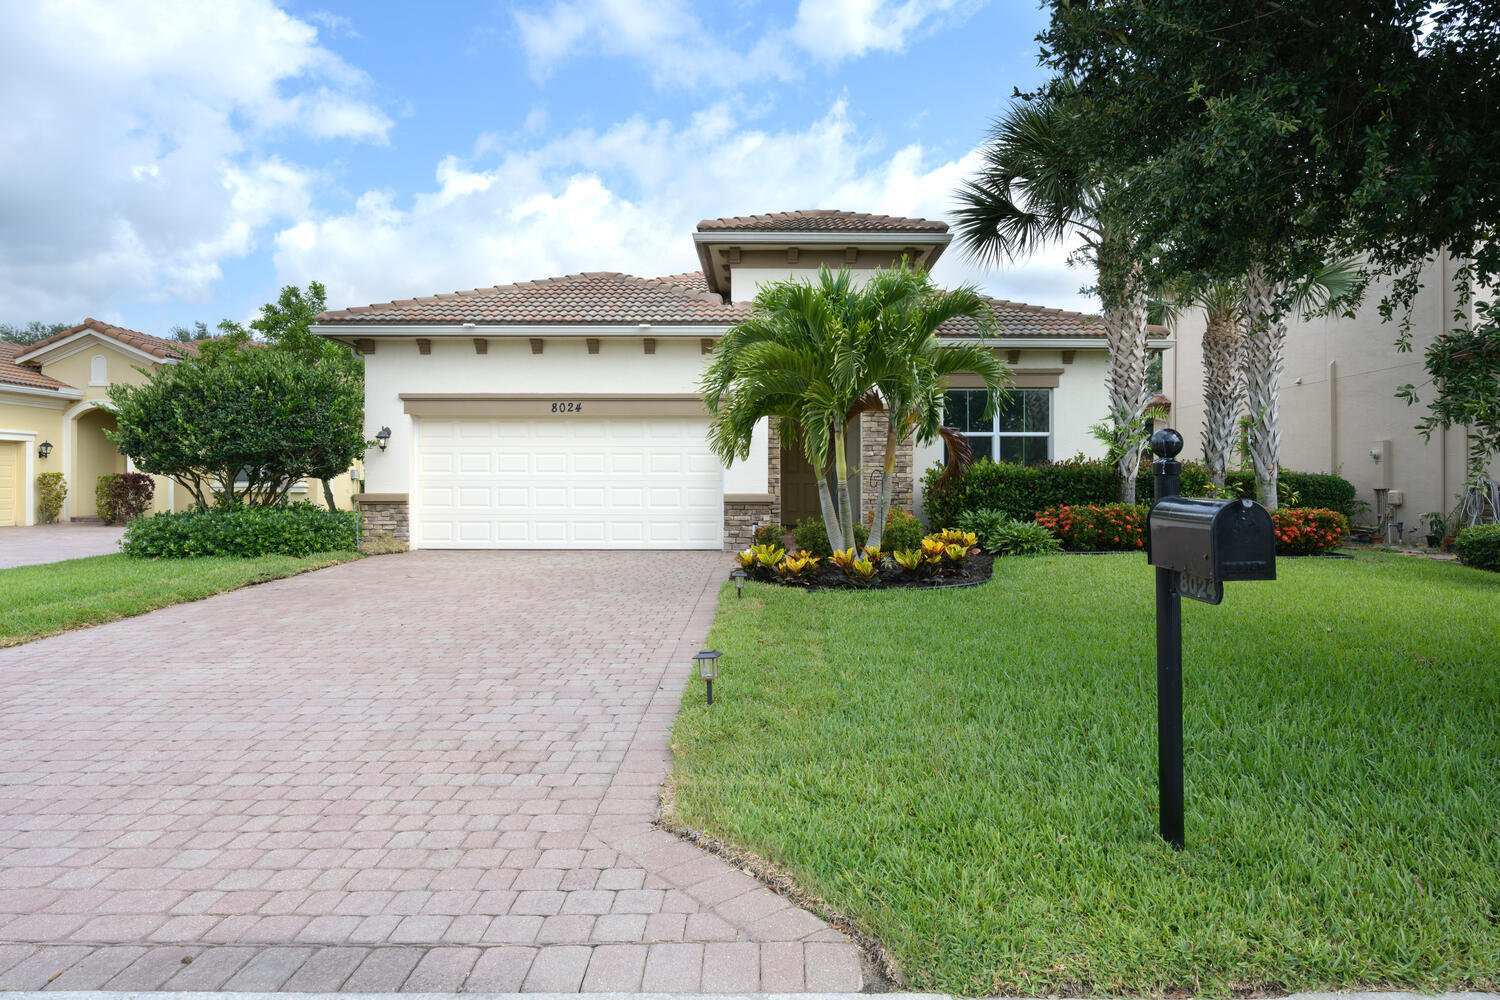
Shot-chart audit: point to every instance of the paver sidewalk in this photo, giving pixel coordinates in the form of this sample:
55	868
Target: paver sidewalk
46	543
433	772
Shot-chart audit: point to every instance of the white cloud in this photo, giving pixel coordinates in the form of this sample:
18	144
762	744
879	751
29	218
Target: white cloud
135	145
626	198
670	40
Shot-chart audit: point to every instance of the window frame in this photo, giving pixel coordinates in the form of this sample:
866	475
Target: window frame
994	434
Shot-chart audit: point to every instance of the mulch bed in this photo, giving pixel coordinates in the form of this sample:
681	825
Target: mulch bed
976	570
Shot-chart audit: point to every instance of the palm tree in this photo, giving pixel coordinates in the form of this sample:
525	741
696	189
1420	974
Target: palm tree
796	360
910	367
1035	190
1267	305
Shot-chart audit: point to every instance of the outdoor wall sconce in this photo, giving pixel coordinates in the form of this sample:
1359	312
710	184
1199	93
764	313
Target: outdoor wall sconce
739	582
44	449
708	668
383	437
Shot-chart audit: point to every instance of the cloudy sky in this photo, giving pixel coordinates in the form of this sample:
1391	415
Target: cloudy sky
165	162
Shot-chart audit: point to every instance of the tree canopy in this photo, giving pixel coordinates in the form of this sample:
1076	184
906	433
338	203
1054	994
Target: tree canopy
1280	133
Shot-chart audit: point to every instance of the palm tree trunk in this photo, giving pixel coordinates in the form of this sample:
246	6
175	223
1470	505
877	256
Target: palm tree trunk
841	463
883	502
1265	344
1223	389
830	512
1125	332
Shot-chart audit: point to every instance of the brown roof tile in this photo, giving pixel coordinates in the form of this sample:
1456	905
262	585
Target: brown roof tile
1018	319
155	346
605	297
821	220
27	375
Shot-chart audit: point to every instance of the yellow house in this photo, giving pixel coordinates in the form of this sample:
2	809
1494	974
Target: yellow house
54	410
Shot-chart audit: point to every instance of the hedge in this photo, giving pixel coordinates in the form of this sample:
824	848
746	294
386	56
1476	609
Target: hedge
1479	546
1019	492
292	530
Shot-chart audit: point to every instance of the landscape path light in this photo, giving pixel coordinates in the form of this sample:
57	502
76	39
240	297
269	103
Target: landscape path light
739	582
708	668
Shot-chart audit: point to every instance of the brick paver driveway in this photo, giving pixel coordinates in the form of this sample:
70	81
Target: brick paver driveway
428	772
45	543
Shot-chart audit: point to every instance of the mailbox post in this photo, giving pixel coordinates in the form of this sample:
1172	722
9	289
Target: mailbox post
1195	544
1166	444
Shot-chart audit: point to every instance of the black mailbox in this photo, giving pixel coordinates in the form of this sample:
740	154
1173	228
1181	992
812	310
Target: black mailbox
1215	540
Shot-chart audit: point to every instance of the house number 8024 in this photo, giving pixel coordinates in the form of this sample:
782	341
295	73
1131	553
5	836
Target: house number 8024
567	407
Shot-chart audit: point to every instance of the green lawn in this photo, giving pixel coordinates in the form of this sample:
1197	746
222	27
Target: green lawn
971	775
38	601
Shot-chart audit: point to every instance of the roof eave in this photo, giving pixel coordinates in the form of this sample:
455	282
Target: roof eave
33	390
357	329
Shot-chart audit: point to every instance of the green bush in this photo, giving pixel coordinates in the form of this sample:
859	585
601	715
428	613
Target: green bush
293	530
1097	527
769	534
1308	531
810	535
51	491
1318	490
1479	546
1019	491
121	497
1021	538
902	531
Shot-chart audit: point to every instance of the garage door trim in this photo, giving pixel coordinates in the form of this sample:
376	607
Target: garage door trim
585	405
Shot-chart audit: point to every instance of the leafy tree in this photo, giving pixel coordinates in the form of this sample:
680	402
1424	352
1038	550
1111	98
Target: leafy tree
1279	135
286	326
184	335
246	424
32	333
1465	368
1035	190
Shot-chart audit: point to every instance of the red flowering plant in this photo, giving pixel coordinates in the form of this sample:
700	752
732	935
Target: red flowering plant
1308	531
1096	527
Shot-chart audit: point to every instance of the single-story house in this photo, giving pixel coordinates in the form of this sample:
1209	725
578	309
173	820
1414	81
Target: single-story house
565	412
54	410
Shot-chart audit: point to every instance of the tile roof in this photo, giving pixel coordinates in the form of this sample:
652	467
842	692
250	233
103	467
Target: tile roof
154	346
605	297
822	220
14	374
1018	319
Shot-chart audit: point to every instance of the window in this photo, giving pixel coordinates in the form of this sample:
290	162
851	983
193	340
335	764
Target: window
1019	431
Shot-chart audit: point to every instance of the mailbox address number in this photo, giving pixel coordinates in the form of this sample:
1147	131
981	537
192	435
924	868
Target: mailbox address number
1199	589
567	407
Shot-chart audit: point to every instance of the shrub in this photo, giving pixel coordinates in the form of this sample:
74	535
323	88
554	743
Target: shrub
902	531
51	491
769	534
1097	527
984	524
810	536
760	562
298	529
383	544
796	567
1297	489
1019	491
1479	546
1308	531
1021	538
121	497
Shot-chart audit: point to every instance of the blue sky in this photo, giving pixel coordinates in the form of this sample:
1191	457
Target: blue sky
174	162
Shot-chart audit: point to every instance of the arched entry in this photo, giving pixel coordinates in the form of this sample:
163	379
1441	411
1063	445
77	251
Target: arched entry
90	455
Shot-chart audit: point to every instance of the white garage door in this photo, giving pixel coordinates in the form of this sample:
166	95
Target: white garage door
570	483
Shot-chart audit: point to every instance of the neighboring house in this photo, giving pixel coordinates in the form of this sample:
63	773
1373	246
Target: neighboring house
565	412
54	397
1339	411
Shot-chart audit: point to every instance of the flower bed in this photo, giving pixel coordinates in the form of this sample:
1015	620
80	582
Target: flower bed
944	559
1308	531
1114	527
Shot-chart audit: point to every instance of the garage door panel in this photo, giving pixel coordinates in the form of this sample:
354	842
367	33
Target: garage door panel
602	483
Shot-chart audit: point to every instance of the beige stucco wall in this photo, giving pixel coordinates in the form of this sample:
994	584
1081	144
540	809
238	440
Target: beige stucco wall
1078	401
564	367
1338	401
27	421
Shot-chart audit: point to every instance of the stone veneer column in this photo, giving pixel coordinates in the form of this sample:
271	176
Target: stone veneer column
872	462
744	512
383	514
